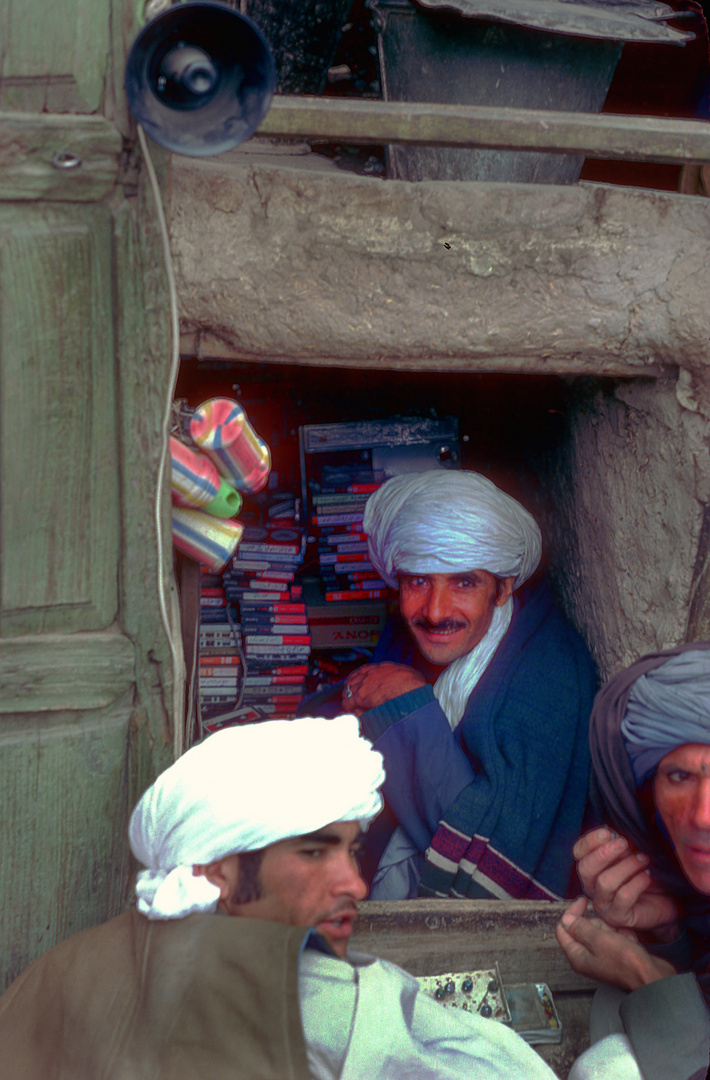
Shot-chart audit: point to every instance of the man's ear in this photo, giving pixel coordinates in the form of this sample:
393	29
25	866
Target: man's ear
505	591
222	872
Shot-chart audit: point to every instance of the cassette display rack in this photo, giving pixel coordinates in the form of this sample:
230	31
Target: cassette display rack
341	466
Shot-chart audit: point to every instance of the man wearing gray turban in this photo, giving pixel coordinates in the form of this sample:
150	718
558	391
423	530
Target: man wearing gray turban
647	873
478	698
261	823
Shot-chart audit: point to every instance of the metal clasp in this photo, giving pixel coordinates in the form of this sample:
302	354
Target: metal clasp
64	159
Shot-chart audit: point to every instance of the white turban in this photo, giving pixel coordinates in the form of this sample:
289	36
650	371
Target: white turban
242	789
448	522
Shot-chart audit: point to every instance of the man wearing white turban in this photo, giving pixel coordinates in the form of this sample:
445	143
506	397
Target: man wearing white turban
478	697
261	823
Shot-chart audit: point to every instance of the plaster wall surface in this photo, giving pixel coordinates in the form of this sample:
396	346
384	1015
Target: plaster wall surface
623	518
315	266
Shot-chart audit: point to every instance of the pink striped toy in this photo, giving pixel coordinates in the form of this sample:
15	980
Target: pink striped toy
206	539
221	430
195	480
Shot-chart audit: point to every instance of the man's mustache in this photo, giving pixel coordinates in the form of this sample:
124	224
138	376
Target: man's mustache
700	839
439	627
344	907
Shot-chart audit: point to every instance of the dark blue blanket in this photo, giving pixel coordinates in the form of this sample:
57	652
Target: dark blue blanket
497	805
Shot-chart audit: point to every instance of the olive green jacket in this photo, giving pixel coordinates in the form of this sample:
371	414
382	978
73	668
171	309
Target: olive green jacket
133	999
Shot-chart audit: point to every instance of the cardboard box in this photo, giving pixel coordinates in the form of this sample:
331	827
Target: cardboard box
336	625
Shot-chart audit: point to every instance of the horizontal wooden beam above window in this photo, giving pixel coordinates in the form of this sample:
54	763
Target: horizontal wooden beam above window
60	157
632	138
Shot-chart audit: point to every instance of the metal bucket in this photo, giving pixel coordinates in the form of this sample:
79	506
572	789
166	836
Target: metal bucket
455	60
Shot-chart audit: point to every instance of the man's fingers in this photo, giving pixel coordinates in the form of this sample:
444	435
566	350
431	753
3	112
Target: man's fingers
576	908
373	684
591	841
616	891
617	879
610	878
568	936
599	856
627	881
580	929
566	942
358	675
573	914
354	684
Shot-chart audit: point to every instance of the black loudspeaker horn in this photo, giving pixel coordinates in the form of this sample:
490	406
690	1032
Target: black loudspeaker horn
200	78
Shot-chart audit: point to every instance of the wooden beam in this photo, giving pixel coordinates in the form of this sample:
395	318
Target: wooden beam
632	138
203	345
430	937
329	268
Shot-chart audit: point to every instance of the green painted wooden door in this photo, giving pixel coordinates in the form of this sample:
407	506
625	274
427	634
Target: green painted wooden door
85	672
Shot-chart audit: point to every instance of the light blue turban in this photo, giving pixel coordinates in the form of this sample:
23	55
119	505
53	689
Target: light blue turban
444	522
668	707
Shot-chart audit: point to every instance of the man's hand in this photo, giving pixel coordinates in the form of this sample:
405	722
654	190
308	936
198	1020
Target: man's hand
604	954
373	684
618	882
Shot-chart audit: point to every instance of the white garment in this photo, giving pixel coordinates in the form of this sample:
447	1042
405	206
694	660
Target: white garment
609	1059
455	685
368	1020
242	789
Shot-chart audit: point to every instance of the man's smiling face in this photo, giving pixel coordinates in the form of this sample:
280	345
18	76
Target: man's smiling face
448	614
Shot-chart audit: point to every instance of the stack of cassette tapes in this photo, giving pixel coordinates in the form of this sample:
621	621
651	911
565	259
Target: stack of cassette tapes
338	500
262	580
341	466
219	670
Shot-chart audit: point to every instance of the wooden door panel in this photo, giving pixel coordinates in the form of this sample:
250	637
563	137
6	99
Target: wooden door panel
54	672
34	145
59	514
53	57
85	667
64	816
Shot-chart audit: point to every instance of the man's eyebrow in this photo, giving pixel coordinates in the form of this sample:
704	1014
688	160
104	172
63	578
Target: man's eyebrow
323	837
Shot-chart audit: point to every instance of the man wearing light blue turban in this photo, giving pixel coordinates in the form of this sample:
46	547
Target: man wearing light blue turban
478	699
647	873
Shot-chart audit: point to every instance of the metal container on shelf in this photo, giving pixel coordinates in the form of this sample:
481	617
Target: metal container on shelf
526	54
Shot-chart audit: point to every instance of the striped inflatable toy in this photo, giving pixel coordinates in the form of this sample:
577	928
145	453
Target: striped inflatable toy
220	429
208	540
194	479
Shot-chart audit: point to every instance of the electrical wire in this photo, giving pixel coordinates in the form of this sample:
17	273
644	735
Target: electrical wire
194	689
237	638
178	664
